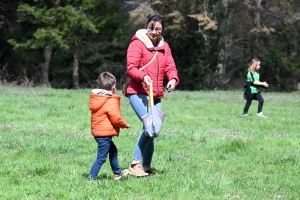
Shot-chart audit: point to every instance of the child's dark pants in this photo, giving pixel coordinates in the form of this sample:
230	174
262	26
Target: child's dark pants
250	97
105	146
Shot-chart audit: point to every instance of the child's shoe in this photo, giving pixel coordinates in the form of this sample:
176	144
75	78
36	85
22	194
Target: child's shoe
121	175
260	115
91	178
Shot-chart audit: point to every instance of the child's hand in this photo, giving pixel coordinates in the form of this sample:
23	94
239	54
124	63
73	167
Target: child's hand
128	126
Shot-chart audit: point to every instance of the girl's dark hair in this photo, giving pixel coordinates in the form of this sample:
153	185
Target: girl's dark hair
156	18
106	81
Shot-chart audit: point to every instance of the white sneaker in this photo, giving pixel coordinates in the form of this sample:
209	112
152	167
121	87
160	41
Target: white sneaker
245	115
260	115
121	175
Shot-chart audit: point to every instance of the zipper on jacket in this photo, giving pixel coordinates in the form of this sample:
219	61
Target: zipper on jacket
157	77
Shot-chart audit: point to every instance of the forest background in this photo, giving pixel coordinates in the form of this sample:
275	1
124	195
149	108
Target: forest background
67	43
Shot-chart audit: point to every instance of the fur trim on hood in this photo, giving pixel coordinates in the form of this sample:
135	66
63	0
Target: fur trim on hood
101	91
142	36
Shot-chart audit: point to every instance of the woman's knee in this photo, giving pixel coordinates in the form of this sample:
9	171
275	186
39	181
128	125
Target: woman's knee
139	104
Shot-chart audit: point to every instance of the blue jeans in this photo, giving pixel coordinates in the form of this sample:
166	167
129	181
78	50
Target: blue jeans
145	145
105	146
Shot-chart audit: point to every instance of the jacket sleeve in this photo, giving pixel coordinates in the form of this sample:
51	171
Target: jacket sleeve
114	114
171	71
134	58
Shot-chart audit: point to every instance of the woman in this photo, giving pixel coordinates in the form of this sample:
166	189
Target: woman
142	48
253	91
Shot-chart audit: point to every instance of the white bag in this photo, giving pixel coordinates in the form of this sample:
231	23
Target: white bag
153	120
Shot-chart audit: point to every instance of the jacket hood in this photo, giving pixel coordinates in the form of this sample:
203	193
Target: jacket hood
98	98
142	36
101	91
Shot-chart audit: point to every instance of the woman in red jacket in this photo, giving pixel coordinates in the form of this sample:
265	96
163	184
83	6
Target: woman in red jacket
143	47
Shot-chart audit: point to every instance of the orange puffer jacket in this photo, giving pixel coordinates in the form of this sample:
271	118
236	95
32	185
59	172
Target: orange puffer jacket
106	117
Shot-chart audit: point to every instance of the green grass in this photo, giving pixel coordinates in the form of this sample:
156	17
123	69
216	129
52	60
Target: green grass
206	149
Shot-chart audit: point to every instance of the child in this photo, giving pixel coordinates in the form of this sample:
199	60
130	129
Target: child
106	122
253	91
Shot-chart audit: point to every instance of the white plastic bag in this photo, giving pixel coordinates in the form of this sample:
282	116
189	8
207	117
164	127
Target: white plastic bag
153	120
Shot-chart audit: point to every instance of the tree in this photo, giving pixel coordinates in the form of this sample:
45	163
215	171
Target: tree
212	41
60	25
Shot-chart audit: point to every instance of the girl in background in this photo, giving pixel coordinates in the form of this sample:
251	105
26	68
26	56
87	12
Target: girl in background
253	91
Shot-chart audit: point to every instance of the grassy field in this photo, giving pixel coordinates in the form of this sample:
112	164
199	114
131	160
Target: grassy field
206	149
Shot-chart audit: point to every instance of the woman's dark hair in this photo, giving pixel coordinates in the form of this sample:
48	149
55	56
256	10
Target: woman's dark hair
156	18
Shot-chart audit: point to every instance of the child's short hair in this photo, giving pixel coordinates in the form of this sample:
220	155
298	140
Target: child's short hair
106	81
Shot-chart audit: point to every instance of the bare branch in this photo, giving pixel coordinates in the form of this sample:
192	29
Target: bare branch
228	45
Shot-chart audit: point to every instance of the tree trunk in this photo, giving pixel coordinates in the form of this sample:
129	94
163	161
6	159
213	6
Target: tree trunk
9	11
76	68
223	41
257	20
46	64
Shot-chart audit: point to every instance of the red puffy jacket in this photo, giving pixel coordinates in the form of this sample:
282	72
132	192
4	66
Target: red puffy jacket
139	53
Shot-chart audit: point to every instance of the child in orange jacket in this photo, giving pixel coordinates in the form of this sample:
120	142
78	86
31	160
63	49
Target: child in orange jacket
106	121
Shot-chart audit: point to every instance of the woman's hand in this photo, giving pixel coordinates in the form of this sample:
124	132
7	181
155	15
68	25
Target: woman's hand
147	80
171	85
265	84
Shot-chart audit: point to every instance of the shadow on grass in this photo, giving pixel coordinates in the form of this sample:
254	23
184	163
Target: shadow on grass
99	177
109	176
